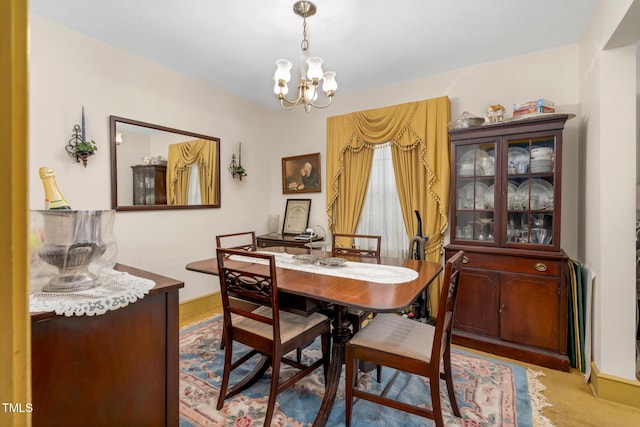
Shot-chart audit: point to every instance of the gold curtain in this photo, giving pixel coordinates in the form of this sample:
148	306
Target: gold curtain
419	141
180	158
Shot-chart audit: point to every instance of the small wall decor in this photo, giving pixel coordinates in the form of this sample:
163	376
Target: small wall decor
301	174
78	147
236	169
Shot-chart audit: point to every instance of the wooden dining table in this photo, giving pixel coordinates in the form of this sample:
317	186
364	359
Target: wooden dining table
342	294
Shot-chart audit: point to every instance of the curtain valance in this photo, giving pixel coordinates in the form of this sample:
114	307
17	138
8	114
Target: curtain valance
180	158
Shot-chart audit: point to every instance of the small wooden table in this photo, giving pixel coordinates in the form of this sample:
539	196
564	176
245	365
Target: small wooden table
345	293
267	240
115	369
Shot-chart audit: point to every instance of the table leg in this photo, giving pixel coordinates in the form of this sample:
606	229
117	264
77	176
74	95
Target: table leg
341	334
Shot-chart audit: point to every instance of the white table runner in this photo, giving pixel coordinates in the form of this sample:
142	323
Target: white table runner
379	273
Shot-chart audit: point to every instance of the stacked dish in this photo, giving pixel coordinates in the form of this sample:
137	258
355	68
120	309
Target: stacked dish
518	160
541	159
475	161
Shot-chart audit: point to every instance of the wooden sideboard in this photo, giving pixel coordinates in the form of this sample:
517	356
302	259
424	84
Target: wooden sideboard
116	369
267	240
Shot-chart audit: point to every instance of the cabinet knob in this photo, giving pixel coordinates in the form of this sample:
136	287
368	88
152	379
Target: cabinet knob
540	266
465	260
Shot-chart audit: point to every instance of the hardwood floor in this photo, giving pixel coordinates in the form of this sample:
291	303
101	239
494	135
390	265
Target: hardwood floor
573	403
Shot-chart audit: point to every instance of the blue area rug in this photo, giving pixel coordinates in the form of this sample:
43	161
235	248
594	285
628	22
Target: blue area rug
489	392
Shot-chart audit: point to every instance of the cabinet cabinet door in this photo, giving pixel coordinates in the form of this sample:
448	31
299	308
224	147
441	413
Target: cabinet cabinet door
533	190
474	191
529	310
477	302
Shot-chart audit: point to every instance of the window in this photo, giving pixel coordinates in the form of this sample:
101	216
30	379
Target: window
381	213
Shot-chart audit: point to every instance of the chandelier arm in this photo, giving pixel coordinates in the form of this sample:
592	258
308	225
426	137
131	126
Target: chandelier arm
284	101
320	107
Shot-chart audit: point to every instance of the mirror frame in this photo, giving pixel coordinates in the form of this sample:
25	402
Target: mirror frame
113	120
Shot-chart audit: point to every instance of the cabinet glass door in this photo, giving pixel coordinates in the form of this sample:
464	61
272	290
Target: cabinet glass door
530	180
475	192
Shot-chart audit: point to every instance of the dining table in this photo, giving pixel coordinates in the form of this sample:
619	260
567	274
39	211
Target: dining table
341	292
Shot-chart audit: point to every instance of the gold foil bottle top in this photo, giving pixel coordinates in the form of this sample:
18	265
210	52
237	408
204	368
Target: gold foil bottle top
52	197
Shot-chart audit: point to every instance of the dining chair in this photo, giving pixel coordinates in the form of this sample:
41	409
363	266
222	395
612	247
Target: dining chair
243	240
246	240
365	246
410	346
362	245
266	330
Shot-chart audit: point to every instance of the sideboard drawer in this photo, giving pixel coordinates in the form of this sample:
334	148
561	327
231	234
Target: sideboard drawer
525	265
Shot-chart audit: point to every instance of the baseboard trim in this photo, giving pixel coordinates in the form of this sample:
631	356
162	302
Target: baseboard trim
614	389
200	308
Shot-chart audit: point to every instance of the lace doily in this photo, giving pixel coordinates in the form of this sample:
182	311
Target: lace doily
118	289
379	273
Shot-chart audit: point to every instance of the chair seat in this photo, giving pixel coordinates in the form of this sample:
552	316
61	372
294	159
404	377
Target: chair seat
397	335
291	325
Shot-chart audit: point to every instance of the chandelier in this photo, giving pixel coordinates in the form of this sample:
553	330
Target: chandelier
310	71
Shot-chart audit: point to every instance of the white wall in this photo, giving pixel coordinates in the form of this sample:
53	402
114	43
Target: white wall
608	134
68	70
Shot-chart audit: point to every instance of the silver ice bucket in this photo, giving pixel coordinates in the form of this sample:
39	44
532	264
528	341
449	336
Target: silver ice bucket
70	249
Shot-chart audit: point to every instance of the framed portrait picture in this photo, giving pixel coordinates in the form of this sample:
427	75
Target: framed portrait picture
296	216
301	174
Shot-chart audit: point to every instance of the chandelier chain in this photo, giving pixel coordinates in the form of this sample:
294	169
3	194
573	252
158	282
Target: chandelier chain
305	43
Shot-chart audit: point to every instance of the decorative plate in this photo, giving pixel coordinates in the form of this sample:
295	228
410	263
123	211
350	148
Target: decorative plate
536	194
468	200
303	258
479	159
333	261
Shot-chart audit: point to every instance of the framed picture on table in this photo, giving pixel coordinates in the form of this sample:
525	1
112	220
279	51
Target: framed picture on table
296	216
301	174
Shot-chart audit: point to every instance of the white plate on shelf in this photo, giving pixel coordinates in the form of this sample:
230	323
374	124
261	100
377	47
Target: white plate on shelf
541	152
466	196
512	190
519	158
489	197
483	164
536	193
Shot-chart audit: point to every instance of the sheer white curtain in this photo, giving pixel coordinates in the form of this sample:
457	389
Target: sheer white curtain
194	186
381	213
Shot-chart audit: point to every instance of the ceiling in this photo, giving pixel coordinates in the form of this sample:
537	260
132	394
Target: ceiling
233	45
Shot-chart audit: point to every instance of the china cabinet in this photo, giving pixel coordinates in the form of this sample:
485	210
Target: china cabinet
505	214
149	185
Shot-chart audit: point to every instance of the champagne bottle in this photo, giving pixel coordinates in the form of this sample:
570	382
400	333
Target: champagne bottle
52	197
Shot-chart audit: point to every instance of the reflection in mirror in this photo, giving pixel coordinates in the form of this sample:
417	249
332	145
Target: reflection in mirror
155	167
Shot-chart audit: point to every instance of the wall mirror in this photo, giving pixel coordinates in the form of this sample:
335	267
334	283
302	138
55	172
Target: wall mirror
154	167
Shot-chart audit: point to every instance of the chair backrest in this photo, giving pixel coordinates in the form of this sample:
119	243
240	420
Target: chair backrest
248	276
444	321
245	240
346	244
